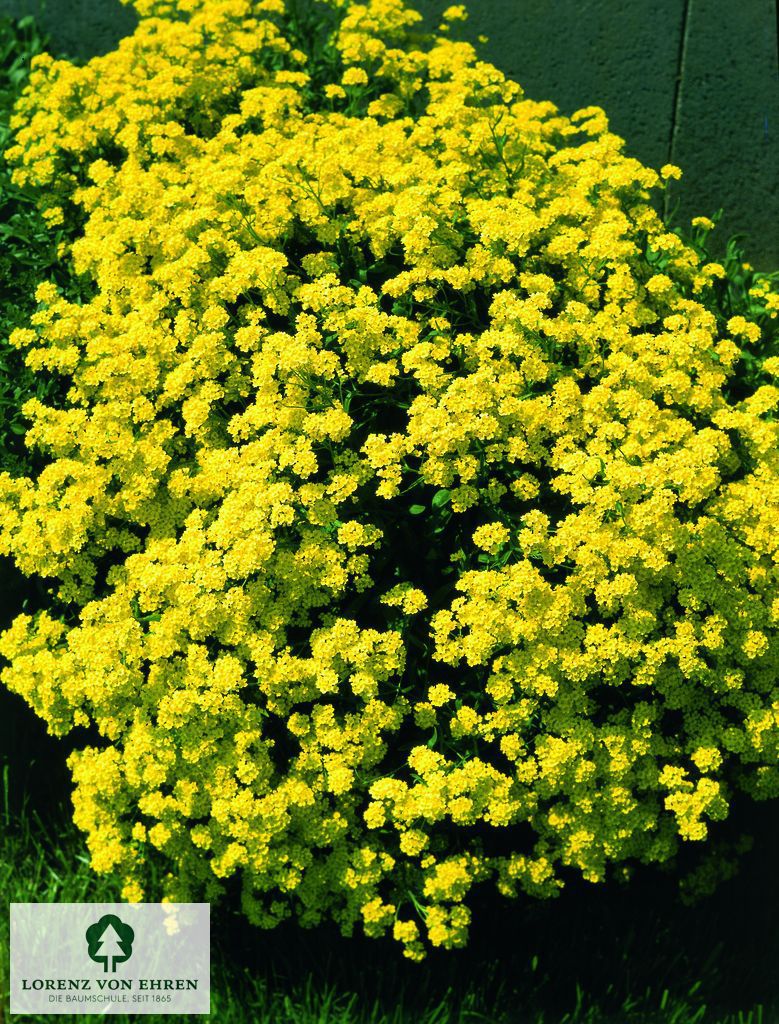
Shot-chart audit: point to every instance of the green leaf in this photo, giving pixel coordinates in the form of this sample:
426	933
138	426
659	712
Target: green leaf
417	510
441	498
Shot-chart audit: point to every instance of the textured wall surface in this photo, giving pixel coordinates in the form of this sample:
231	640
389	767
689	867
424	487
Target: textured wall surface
78	28
693	82
621	56
690	82
726	133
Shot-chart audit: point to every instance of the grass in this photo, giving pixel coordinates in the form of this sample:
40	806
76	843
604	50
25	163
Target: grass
605	956
633	959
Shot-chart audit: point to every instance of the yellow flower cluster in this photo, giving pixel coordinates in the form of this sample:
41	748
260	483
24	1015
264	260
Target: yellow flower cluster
407	526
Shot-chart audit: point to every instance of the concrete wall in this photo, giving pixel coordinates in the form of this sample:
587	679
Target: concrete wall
77	28
693	82
689	82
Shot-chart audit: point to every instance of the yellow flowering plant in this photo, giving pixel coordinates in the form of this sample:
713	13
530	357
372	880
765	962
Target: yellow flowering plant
409	512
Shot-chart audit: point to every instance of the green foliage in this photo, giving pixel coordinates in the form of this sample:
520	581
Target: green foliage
28	251
310	980
736	293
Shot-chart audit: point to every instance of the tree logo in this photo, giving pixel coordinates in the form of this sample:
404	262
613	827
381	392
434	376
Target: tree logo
110	941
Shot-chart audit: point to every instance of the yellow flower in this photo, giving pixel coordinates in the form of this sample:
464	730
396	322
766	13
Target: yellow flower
439	695
737	325
670	171
354	76
491	537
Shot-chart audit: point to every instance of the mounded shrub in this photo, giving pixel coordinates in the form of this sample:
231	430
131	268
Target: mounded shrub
411	516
